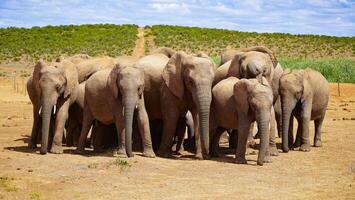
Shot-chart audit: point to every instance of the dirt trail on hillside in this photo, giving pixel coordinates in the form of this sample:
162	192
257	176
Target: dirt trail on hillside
323	173
139	49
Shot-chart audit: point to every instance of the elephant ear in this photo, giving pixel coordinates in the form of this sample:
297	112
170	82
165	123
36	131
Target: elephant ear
37	70
112	80
71	75
241	95
235	66
172	74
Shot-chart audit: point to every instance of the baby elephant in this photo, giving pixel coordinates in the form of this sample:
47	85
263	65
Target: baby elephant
112	96
304	94
235	105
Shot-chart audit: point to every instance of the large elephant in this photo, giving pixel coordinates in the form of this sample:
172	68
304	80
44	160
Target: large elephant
51	88
304	94
76	59
112	96
236	104
174	86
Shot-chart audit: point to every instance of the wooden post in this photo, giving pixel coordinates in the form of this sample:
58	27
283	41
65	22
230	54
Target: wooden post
14	82
338	88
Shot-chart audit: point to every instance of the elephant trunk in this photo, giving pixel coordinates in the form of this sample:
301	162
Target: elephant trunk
129	104
204	103
46	112
263	127
286	115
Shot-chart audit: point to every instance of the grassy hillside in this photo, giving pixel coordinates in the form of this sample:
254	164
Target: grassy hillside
213	41
50	41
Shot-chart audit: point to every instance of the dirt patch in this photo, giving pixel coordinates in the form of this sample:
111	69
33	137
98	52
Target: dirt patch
139	49
324	173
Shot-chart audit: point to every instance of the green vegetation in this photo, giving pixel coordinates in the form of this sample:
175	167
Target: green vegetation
35	195
51	41
335	70
7	185
214	41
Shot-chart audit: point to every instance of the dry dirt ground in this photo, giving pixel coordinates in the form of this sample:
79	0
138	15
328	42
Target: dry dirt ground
324	173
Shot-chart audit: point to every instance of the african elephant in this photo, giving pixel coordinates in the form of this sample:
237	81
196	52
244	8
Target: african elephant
74	59
304	94
112	96
255	62
228	55
236	104
51	88
174	86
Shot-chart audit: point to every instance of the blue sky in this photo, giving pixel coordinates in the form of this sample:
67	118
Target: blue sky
332	17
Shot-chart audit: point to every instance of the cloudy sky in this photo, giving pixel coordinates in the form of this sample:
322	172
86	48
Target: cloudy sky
325	17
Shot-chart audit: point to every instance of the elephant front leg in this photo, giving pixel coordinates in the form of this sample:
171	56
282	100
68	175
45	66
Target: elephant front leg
87	122
317	134
121	151
214	149
195	117
61	118
272	143
144	130
180	133
170	120
305	118
35	128
243	132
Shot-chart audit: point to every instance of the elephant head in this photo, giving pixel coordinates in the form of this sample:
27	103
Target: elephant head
253	62
126	83
292	90
256	99
165	50
187	75
52	83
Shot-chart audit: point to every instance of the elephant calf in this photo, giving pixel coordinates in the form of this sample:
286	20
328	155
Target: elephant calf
304	94
111	96
236	104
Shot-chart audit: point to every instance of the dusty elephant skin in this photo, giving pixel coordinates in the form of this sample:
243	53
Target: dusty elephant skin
236	104
304	95
175	85
111	96
51	88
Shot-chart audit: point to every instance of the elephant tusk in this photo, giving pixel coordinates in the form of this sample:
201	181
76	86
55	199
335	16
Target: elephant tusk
40	111
136	107
54	109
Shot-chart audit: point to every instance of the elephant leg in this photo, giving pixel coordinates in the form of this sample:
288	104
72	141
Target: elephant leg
305	118
120	126
317	133
180	132
87	122
290	132
278	116
195	117
98	134
144	130
214	150
232	139
298	140
272	143
35	128
243	132
170	121
61	118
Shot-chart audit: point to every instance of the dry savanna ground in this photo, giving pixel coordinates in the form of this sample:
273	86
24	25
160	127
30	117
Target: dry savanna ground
323	173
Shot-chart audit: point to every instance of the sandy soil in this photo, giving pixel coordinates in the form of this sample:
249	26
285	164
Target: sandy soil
324	173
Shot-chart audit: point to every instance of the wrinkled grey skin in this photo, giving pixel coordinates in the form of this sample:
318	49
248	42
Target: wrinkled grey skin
305	95
51	89
174	86
256	62
112	96
236	104
189	124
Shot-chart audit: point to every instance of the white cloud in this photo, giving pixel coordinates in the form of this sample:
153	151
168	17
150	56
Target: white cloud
181	8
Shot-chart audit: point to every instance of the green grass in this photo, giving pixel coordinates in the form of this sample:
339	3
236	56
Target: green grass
51	41
7	185
35	195
335	70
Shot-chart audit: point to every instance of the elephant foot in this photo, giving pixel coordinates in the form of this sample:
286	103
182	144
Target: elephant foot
121	153
57	149
317	143
274	151
215	154
267	159
240	161
32	145
305	148
164	154
149	153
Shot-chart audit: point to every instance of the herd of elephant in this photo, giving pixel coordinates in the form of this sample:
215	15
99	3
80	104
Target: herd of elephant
77	94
